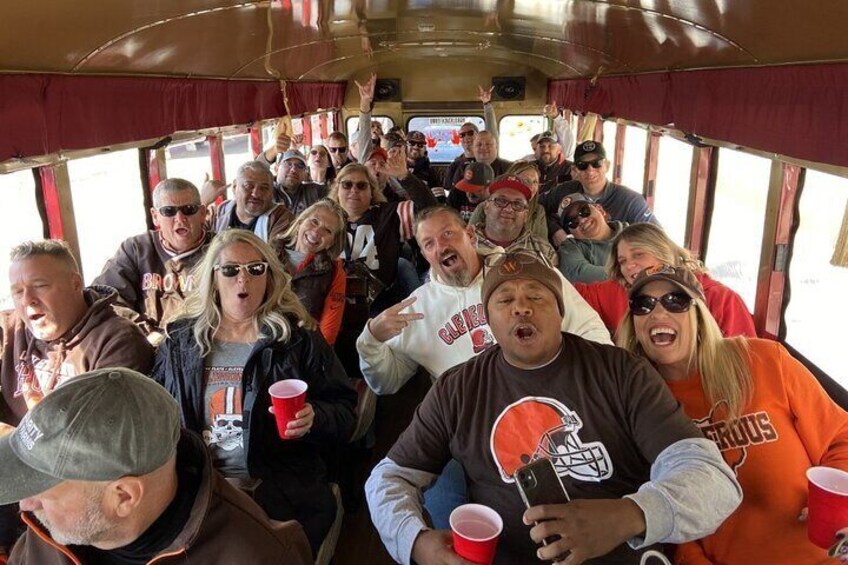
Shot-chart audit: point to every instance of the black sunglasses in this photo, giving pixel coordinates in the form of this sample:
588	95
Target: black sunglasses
254	269
467	133
359	185
416	143
337	149
583	165
186	209
673	302
573	221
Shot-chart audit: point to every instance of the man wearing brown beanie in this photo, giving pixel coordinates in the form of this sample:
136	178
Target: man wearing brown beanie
636	468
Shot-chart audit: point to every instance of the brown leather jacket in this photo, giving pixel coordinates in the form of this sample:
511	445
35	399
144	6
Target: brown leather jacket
225	528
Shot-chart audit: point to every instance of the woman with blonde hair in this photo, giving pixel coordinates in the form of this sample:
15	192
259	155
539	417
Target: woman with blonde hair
243	329
313	244
768	415
644	245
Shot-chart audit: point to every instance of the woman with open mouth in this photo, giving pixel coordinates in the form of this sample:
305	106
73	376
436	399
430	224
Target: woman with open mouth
768	415
643	245
313	244
243	329
321	170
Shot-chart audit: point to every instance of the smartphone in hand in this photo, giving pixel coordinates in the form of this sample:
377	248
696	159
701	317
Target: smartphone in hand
538	483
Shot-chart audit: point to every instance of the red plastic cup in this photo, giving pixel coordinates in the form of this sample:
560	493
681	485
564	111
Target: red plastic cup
287	398
827	503
476	529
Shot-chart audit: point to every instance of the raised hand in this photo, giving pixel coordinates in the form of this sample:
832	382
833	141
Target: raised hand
283	143
484	95
391	322
211	190
551	110
396	166
366	93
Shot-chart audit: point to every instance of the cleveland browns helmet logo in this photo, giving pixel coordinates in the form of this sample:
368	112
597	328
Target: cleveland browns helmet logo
538	427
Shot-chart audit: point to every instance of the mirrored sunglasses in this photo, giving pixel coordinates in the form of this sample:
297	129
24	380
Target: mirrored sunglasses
573	221
583	165
186	209
673	302
254	269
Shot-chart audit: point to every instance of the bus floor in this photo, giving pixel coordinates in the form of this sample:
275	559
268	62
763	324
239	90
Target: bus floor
359	542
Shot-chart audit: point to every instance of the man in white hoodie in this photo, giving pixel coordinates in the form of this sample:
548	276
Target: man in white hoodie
442	323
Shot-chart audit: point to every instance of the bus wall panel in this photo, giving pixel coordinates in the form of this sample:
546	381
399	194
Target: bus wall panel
798	111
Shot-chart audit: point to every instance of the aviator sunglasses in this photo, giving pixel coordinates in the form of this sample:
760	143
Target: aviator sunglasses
254	269
186	209
583	165
572	222
673	302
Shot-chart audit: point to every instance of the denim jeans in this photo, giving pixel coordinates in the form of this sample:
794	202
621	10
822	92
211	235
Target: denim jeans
446	494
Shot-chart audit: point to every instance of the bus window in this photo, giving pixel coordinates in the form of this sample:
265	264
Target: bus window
236	153
514	133
736	229
108	205
352	124
268	137
19	222
442	133
189	160
633	164
610	129
671	197
817	306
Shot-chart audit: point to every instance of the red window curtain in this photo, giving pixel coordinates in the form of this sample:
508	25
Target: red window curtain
799	111
303	97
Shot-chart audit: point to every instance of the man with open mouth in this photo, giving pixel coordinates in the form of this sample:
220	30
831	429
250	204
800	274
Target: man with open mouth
637	470
152	272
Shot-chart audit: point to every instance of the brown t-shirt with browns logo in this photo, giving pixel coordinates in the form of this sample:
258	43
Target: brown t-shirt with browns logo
600	414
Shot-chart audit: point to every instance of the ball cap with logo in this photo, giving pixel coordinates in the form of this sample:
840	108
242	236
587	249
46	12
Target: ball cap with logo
589	148
476	178
293	154
512	266
513	182
99	426
680	277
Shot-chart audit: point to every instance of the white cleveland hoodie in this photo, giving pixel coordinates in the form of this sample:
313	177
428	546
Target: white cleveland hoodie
453	331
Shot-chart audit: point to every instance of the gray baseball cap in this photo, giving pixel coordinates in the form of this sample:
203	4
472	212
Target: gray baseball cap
293	154
99	426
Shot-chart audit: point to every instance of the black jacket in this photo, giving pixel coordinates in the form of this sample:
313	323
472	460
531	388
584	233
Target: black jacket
305	356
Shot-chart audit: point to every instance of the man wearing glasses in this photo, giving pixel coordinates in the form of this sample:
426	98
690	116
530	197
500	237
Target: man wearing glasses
291	187
590	174
505	220
583	257
152	272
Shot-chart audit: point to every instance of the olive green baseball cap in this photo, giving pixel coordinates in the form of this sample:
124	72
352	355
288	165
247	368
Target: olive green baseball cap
99	426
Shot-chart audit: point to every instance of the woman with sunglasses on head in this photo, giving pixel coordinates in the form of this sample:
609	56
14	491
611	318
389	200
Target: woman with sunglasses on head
321	169
375	231
243	329
313	244
640	246
766	412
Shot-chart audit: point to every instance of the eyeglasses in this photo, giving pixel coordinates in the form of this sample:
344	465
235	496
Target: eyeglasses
467	133
294	164
673	302
187	210
342	149
254	269
583	165
572	222
517	205
358	185
416	143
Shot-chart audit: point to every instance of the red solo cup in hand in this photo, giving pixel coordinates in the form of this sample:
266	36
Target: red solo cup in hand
476	529
827	503
287	398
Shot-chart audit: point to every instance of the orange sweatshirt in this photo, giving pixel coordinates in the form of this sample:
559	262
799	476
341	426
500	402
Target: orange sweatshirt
791	424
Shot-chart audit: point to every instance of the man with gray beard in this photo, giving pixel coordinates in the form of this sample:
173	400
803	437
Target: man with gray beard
101	465
442	323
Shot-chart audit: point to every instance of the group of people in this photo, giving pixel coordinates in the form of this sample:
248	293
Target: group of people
125	403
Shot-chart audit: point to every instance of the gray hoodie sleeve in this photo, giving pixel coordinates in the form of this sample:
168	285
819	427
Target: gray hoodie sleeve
395	502
691	492
491	120
363	137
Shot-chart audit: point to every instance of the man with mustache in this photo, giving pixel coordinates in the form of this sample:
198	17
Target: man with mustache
553	167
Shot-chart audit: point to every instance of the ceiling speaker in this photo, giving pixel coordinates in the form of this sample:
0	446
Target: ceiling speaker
387	90
508	88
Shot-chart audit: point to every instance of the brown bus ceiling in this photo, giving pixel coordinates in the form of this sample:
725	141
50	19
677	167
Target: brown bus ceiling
335	40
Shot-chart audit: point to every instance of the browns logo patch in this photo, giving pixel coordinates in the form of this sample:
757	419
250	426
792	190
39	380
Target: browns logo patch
510	267
563	204
589	146
661	268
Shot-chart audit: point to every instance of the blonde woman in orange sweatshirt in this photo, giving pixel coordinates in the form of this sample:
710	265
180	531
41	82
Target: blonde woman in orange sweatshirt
766	412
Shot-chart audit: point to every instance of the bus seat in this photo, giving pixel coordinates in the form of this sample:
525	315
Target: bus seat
366	406
328	546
